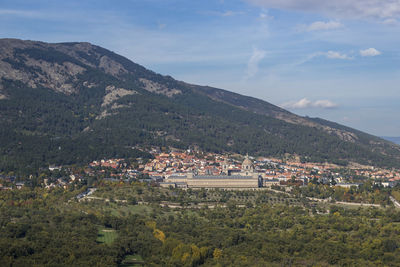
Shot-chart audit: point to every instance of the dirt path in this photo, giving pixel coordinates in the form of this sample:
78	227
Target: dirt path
395	202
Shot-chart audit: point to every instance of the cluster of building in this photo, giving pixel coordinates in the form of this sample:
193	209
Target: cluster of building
188	169
9	182
181	169
111	163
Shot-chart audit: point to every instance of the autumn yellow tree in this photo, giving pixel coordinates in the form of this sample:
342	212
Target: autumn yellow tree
217	253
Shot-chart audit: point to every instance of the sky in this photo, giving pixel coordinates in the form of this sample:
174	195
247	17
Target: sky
338	60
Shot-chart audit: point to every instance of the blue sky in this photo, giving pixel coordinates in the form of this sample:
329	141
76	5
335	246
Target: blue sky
338	60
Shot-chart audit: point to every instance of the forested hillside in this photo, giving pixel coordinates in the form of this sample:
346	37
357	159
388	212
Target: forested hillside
75	102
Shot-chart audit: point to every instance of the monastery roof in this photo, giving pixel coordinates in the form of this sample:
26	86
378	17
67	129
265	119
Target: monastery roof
225	177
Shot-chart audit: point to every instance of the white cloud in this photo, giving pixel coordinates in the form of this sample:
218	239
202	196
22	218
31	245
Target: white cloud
305	103
264	15
32	14
330	55
324	104
381	9
336	55
228	13
302	103
323	26
370	52
19	13
252	64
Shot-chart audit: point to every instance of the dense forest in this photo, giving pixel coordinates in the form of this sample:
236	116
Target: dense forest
51	228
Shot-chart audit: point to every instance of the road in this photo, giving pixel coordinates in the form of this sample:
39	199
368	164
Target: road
395	202
338	202
87	196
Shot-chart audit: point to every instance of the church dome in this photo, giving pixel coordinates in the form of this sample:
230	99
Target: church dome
247	164
247	161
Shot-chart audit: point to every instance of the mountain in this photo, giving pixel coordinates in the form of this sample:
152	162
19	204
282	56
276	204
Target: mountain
394	139
68	103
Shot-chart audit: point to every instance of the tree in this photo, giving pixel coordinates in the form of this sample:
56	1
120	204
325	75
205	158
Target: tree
217	253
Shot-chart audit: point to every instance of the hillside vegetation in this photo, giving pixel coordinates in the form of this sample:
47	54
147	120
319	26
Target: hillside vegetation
75	102
50	228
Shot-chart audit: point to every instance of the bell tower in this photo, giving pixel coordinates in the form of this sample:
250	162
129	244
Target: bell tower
225	167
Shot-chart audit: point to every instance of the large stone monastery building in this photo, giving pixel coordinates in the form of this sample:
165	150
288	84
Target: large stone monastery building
246	178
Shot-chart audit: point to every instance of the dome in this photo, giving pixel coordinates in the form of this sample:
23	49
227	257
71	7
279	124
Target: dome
247	164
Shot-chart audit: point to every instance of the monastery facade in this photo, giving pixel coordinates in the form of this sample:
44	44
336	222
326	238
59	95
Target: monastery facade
246	178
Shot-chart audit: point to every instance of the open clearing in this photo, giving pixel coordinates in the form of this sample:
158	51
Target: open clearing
132	261
106	236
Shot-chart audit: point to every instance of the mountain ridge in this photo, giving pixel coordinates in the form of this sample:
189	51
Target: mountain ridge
79	93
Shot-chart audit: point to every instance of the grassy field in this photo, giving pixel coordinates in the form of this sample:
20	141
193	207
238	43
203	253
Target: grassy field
115	209
132	261
106	236
118	210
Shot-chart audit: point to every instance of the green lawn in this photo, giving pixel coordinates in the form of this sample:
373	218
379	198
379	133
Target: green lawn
106	236
132	261
120	210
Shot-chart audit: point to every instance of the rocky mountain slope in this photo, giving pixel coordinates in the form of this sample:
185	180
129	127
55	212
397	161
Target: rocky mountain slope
74	102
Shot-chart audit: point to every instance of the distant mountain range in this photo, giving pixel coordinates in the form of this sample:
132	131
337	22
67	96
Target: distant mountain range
70	103
394	139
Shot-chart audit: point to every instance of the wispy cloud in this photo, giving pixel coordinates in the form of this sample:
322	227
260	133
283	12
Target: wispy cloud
336	55
264	15
390	21
228	13
53	15
252	64
381	9
20	13
324	104
370	52
321	26
302	103
305	103
330	55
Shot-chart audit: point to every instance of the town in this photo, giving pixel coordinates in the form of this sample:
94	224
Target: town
173	167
